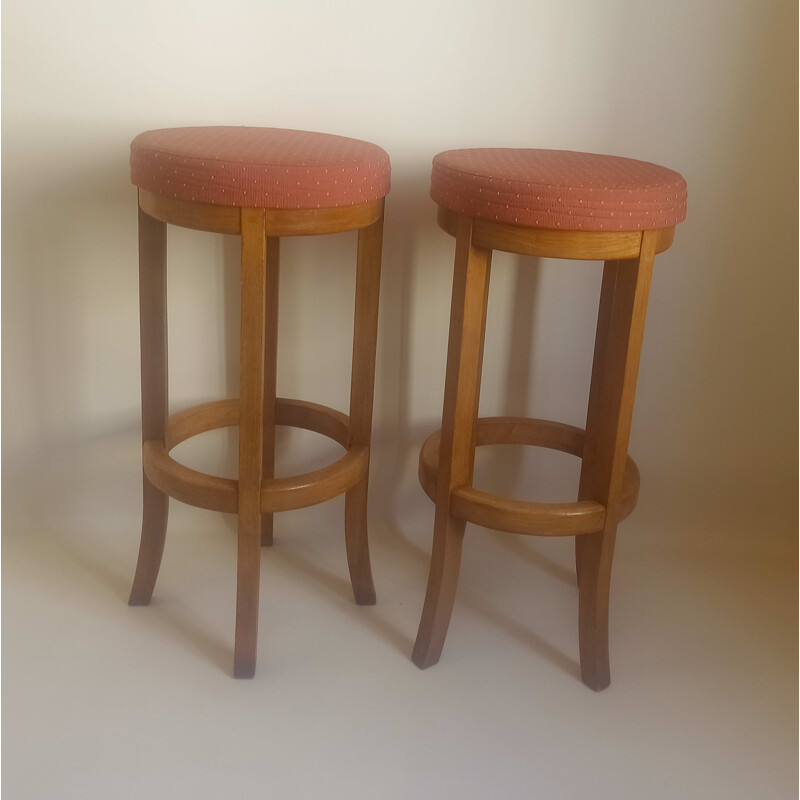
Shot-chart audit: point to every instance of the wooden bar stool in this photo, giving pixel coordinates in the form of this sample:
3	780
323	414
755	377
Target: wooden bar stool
552	204
261	183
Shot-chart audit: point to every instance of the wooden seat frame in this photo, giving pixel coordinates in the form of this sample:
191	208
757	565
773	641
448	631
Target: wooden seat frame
609	480
257	494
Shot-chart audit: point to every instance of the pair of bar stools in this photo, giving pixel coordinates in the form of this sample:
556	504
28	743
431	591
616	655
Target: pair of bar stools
265	183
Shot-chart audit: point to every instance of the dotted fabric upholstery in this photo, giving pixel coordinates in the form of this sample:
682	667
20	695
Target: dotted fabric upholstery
259	167
558	189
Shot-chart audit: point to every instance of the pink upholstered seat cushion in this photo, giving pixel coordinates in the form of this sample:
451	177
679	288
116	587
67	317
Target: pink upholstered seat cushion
558	189
259	167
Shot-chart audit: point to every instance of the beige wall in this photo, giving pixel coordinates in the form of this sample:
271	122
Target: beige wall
706	87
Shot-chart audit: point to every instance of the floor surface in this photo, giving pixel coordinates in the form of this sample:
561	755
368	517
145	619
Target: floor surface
106	701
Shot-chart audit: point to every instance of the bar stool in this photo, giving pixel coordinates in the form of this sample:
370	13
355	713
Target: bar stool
552	204
260	183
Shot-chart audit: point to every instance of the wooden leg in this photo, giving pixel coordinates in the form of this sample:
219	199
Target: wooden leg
457	450
270	376
362	384
251	437
153	335
620	328
595	409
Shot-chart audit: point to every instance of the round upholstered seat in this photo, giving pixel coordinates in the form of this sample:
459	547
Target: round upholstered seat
558	189
259	167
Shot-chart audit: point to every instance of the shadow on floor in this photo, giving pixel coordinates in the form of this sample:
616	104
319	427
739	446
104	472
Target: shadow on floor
497	617
170	615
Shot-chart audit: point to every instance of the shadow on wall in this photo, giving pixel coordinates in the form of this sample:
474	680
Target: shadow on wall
722	318
395	489
410	219
318	281
66	320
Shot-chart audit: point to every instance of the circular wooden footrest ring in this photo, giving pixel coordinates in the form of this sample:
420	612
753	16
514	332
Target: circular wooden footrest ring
277	494
517	516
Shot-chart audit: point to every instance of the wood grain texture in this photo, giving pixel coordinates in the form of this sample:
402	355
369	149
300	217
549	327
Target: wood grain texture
316	221
456	457
623	306
278	221
362	386
277	494
185	214
155	400
293	413
188	485
595	408
516	516
257	494
251	433
310	488
270	377
609	483
545	243
314	417
200	419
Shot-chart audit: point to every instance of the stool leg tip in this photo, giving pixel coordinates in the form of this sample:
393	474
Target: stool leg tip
365	597
424	659
139	598
244	671
596	682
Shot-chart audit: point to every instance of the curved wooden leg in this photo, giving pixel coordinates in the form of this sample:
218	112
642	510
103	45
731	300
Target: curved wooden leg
155	511
448	537
270	376
153	336
597	553
357	543
618	345
362	384
251	432
595	411
457	449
